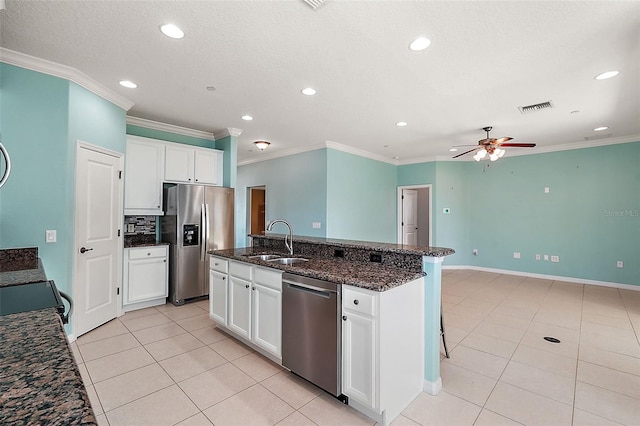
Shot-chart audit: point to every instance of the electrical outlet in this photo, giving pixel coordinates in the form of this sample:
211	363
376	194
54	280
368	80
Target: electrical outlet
555	259
537	257
546	189
546	257
620	264
315	225
475	252
50	236
516	255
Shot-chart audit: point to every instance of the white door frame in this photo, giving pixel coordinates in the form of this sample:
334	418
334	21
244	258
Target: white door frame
76	245
248	208
399	210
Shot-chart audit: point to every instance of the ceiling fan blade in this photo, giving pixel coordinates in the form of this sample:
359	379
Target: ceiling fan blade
521	145
500	141
459	146
471	150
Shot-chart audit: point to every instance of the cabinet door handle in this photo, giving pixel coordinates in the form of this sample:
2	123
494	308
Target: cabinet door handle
355	302
165	260
246	286
224	278
344	318
253	288
148	254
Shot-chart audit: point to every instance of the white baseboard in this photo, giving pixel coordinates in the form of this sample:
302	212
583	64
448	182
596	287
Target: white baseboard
71	337
545	277
432	388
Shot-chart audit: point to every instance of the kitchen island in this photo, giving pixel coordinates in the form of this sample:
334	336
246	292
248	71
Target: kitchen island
39	379
383	270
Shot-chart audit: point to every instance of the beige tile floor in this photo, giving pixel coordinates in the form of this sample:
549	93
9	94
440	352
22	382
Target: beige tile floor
170	365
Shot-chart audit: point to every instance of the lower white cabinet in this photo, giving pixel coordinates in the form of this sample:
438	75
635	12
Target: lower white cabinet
382	348
145	280
247	301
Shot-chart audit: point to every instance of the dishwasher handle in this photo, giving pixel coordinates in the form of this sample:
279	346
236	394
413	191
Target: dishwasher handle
323	292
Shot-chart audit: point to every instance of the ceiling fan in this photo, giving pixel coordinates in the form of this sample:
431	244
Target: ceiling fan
491	146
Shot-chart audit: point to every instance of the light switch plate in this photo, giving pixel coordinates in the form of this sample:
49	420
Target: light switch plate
50	236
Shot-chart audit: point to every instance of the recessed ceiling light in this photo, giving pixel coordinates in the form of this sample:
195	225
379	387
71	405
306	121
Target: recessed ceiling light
453	149
247	117
309	91
601	128
172	31
606	75
420	43
401	123
128	84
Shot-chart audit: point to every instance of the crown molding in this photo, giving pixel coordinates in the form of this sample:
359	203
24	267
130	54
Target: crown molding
62	71
169	128
538	150
230	131
360	153
283	153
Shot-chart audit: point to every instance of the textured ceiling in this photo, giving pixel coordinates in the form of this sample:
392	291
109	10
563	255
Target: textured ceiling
486	59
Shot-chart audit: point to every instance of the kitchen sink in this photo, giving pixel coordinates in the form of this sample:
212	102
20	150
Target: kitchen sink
288	260
269	257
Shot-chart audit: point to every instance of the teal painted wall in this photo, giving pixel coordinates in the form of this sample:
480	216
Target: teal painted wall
296	190
229	145
41	118
590	218
361	198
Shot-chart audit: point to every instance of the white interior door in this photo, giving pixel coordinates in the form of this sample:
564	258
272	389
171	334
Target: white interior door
98	245
410	217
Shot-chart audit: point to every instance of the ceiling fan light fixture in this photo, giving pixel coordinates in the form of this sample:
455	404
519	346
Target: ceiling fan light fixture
500	152
262	145
493	156
480	155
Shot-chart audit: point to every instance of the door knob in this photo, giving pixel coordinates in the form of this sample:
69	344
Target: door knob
84	250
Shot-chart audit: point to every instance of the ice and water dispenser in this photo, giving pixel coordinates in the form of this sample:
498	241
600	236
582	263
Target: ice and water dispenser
190	235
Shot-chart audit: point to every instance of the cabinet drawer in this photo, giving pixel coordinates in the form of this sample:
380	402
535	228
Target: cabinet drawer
219	264
358	301
241	270
269	278
147	252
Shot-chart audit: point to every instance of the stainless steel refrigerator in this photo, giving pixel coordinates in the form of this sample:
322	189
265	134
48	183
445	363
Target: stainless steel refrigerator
197	219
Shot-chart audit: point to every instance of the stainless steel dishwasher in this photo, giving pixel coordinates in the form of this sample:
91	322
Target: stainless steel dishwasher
311	331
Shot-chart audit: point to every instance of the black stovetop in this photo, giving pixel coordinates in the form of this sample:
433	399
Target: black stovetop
30	297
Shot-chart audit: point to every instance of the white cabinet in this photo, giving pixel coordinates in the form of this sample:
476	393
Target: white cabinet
144	170
266	322
145	277
247	301
382	348
218	289
188	164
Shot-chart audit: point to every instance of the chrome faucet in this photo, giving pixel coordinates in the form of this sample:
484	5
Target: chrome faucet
288	244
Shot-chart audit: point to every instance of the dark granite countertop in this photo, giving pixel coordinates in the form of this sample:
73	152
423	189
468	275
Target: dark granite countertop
144	244
371	276
39	380
369	245
24	276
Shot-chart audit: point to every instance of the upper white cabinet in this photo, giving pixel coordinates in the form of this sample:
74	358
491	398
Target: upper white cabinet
144	170
188	164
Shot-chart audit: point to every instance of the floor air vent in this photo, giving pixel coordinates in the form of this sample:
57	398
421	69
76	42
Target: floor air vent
535	107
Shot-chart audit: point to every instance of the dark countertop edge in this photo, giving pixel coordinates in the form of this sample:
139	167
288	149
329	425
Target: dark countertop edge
157	243
24	276
370	245
401	276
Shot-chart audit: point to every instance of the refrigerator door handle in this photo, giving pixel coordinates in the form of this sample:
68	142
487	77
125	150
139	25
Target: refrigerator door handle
208	230
203	231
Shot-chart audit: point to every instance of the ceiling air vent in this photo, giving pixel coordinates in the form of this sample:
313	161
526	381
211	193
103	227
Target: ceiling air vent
315	4
535	107
596	137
